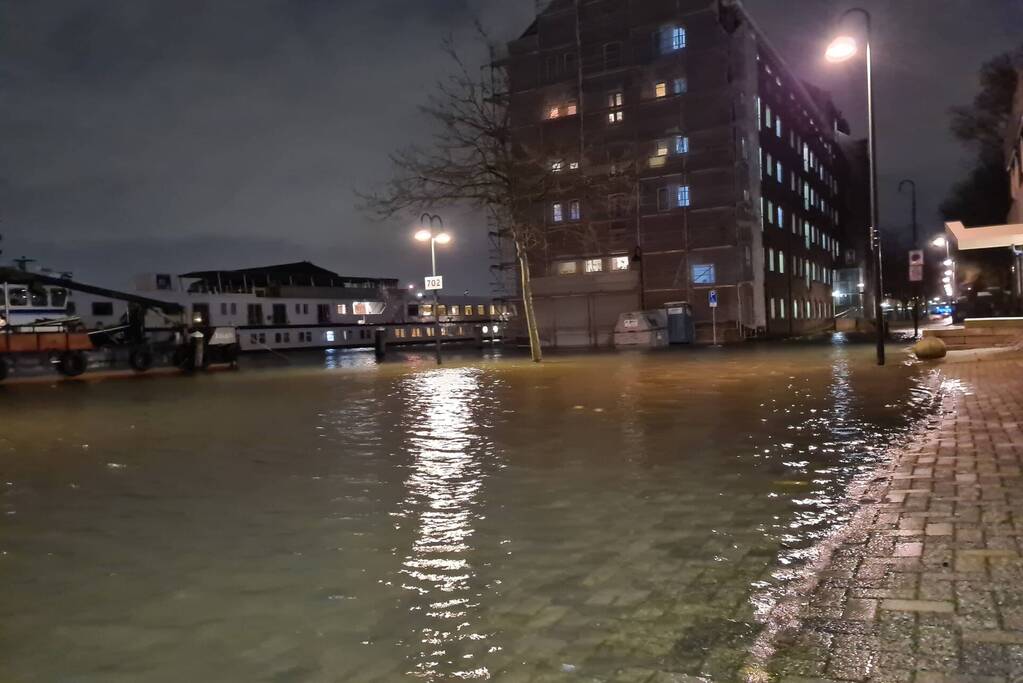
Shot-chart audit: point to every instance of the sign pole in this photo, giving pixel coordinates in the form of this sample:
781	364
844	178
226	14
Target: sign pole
436	300
712	301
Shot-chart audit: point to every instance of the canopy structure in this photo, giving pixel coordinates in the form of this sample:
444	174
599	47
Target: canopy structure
986	237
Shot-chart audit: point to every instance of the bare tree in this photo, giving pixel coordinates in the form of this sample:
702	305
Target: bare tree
474	159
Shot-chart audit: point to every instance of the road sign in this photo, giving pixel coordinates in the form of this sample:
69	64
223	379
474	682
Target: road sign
916	272
434	282
712	298
916	257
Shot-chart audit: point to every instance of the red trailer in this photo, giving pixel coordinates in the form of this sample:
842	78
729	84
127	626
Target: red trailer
67	349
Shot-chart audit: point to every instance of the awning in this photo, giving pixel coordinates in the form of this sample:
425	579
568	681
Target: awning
986	237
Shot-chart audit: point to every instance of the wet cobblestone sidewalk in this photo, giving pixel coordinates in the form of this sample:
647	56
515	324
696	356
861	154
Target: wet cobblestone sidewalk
927	584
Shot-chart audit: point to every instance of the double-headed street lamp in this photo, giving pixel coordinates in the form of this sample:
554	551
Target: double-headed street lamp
844	46
426	233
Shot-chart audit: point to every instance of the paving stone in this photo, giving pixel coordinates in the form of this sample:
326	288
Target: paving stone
918	605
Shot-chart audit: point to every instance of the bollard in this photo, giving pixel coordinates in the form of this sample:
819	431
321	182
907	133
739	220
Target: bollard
198	350
380	343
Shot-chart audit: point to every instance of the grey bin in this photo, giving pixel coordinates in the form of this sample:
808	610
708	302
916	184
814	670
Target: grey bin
681	328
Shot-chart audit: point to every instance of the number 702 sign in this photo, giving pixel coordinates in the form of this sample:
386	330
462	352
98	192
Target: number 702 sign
434	282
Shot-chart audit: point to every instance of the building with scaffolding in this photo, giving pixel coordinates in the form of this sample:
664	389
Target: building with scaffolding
735	176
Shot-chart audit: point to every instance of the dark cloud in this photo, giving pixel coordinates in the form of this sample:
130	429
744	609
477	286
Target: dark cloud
172	135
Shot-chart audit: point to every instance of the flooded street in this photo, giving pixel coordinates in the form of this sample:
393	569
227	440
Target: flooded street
595	518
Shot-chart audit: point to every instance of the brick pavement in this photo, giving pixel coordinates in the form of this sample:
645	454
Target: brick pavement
926	584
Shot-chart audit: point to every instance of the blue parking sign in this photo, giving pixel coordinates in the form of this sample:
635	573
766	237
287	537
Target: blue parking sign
712	297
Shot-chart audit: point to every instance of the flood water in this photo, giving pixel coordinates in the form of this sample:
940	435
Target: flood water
594	518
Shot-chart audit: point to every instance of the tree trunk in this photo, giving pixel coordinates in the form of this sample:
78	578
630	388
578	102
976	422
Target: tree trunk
527	304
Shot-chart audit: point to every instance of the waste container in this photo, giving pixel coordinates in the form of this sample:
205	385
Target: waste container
681	328
641	329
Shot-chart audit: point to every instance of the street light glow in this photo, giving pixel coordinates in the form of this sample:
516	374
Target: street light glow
948	272
841	49
423	235
947	262
443	238
939	241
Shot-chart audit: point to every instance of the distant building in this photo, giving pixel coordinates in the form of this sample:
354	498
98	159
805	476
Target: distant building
739	182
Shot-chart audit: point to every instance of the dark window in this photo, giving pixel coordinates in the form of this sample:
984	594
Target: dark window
58	297
102	308
413	310
255	314
223	309
234	309
280	314
323	313
663	199
612	55
277	337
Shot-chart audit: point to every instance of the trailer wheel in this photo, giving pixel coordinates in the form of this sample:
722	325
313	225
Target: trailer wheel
71	363
141	359
3	368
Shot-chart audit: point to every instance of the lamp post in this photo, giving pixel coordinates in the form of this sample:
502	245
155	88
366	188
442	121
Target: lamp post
916	285
427	233
842	48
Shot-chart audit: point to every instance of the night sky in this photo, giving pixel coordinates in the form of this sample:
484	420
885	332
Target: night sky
171	135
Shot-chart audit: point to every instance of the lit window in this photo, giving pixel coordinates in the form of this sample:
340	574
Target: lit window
681	144
777	126
781	218
554	112
614	103
781	308
619	263
779	173
772	309
557	166
662	148
570	109
781	267
426	310
573	166
480	310
703	274
682	195
342	309
574	210
770	212
678	38
679	86
442	309
329	336
657	161
564	268
660	89
770	259
556	213
593	265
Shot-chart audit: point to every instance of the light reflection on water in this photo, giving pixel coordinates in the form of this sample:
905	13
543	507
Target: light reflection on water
445	477
592	515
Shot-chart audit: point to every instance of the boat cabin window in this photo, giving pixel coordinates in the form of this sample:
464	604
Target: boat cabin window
323	313
17	296
102	308
38	297
58	297
200	314
480	310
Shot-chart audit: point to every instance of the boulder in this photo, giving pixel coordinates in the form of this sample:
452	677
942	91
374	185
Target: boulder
930	348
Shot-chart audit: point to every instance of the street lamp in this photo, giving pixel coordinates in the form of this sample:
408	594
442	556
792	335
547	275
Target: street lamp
842	48
424	234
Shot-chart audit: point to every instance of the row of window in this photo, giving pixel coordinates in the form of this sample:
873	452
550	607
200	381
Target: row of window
813	236
593	265
772	169
668	197
801	267
811	163
808	309
426	310
663	148
25	297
